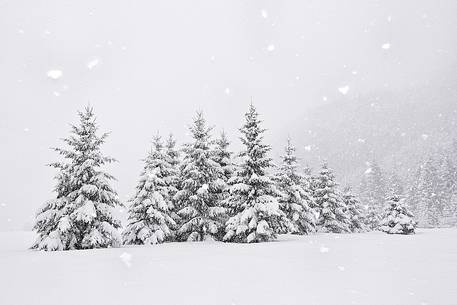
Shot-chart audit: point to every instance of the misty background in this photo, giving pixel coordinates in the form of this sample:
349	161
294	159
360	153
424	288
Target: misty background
347	80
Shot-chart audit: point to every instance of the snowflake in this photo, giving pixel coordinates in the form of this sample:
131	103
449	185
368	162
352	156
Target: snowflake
126	259
93	63
343	90
386	46
54	74
271	48
264	14
324	249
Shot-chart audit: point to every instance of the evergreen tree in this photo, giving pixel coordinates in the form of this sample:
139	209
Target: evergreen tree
373	188
81	215
224	157
200	185
332	210
429	205
308	183
172	152
355	211
413	195
372	218
253	199
395	185
174	161
295	200
150	214
396	218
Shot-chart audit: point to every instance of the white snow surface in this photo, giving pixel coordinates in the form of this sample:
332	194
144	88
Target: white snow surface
378	269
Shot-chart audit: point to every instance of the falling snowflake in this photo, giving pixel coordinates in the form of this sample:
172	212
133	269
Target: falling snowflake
308	147
3	205
368	171
341	268
324	98
126	259
271	48
324	249
386	46
354	72
361	140
54	74
425	136
26	129
93	63
264	14
343	90
56	93
227	91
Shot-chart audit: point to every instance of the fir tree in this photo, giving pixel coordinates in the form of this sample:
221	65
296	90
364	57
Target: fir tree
253	199
429	205
355	211
150	218
332	210
81	215
174	161
396	218
172	152
295	200
224	157
395	185
200	185
373	187
372	218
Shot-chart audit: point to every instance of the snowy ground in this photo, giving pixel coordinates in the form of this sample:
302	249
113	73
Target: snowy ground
372	268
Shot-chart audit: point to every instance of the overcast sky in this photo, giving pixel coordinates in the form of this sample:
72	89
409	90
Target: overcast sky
147	66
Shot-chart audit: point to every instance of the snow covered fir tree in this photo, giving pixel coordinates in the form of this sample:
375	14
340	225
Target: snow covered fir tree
253	200
397	219
355	211
200	184
332	210
295	200
150	218
373	187
81	216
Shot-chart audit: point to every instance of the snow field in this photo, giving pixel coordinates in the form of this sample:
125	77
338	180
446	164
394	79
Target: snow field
368	268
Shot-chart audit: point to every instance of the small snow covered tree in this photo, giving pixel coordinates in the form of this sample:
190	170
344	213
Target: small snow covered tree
372	218
201	216
396	218
355	211
81	215
253	202
150	218
331	207
295	200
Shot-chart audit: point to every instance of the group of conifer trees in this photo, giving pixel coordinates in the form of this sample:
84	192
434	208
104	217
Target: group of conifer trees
430	192
199	192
